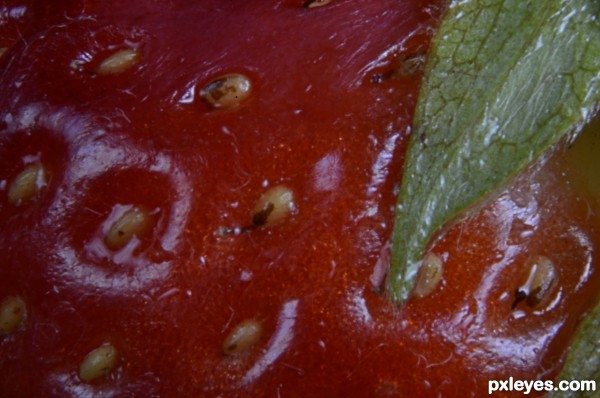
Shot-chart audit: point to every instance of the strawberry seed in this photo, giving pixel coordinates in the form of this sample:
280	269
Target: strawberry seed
12	314
119	62
242	337
274	206
27	184
98	362
316	3
539	284
227	91
429	275
136	221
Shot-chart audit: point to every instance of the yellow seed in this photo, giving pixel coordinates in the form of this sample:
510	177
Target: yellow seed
242	337
136	221
541	280
227	91
3	50
119	62
12	314
27	184
274	206
316	3
98	362
429	275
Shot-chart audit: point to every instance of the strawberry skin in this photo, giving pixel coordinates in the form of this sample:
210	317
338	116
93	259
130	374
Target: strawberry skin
204	195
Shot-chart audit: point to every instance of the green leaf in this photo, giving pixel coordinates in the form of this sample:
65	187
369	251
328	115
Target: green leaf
506	80
583	361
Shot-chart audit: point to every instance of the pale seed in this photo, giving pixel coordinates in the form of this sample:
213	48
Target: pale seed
12	314
540	282
429	275
316	3
119	62
274	206
27	184
242	337
227	91
136	221
410	66
98	362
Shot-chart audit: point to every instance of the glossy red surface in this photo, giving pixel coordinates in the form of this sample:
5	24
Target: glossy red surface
324	118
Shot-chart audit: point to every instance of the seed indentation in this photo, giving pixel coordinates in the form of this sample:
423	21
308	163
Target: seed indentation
274	206
27	185
227	91
136	221
119	62
429	275
242	337
98	362
12	315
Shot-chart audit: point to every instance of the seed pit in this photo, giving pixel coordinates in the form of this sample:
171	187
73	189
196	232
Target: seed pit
429	275
137	221
227	91
274	206
242	337
119	62
27	185
98	362
12	315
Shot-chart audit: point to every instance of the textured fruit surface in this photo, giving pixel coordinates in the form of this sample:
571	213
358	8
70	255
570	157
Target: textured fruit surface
154	239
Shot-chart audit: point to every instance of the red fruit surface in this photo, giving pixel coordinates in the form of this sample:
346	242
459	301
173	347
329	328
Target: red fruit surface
328	116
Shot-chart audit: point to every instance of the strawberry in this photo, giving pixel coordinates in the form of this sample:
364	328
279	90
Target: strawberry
197	199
